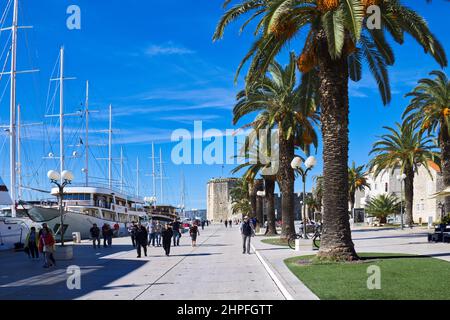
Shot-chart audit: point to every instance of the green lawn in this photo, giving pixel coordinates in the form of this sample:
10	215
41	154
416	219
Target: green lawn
275	241
402	277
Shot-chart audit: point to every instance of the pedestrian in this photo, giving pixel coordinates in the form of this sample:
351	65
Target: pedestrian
151	234
176	232
31	243
109	235
95	235
194	232
132	232
166	235
47	247
230	223
106	233
141	239
203	224
247	231
226	223
158	230
116	229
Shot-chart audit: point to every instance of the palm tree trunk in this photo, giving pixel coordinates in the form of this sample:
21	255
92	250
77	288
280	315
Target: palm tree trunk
252	188
336	241
409	196
352	202
445	160
285	179
259	186
270	204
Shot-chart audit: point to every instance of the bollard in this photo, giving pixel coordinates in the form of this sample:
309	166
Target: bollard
297	244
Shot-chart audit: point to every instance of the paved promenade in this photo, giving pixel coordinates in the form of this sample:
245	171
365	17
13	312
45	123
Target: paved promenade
216	269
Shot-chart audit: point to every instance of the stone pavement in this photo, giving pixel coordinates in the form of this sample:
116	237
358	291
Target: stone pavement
216	269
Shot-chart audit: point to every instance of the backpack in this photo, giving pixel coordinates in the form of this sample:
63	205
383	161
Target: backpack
247	229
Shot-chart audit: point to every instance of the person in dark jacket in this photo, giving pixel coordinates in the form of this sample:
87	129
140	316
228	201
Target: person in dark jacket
107	234
141	239
193	232
95	235
132	232
247	231
166	235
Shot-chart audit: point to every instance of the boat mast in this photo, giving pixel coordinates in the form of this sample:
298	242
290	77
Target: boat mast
110	148
161	175
61	111
121	169
86	138
19	162
137	176
12	121
153	172
182	194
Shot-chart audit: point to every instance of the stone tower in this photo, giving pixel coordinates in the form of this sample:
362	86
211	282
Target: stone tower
218	198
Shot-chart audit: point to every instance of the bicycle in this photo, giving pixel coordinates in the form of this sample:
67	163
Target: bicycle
314	235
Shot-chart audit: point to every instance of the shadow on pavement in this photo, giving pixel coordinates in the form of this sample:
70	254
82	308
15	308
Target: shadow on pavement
24	279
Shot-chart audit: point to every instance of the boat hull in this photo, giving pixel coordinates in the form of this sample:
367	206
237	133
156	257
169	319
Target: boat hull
73	222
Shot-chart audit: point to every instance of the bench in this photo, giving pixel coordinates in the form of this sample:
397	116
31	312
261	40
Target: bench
441	234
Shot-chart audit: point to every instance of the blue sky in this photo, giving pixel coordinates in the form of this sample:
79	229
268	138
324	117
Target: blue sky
155	62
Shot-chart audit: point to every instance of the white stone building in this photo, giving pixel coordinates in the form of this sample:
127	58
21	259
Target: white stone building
218	199
424	205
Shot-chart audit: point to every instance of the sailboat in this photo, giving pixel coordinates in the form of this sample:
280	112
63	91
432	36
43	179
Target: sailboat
88	204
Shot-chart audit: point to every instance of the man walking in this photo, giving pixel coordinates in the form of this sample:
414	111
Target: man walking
158	230
230	223
166	238
132	232
152	234
226	223
247	232
141	239
95	235
176	232
203	224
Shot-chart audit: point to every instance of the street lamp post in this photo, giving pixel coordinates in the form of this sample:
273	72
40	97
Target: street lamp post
61	180
401	178
296	164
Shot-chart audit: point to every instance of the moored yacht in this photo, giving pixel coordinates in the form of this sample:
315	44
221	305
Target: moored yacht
84	206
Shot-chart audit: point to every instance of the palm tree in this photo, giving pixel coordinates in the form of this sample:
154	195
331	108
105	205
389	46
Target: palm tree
291	108
430	106
253	168
240	201
336	44
404	148
357	181
382	206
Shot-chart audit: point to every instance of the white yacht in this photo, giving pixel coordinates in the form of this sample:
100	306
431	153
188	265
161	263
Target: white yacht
84	206
12	231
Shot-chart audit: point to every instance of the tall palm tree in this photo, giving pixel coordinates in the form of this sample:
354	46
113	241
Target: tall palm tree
404	148
337	42
290	108
250	151
430	106
357	181
240	201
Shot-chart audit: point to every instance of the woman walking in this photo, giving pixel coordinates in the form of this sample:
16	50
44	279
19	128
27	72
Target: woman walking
31	243
194	232
167	237
47	247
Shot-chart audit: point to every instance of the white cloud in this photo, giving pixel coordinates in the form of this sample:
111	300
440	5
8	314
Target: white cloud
168	48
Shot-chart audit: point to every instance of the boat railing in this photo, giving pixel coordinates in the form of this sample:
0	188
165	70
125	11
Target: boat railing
105	186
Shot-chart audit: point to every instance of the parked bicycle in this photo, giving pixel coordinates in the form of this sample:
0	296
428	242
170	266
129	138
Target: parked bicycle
312	232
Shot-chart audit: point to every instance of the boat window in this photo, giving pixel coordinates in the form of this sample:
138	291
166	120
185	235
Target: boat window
77	196
91	212
109	215
123	218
